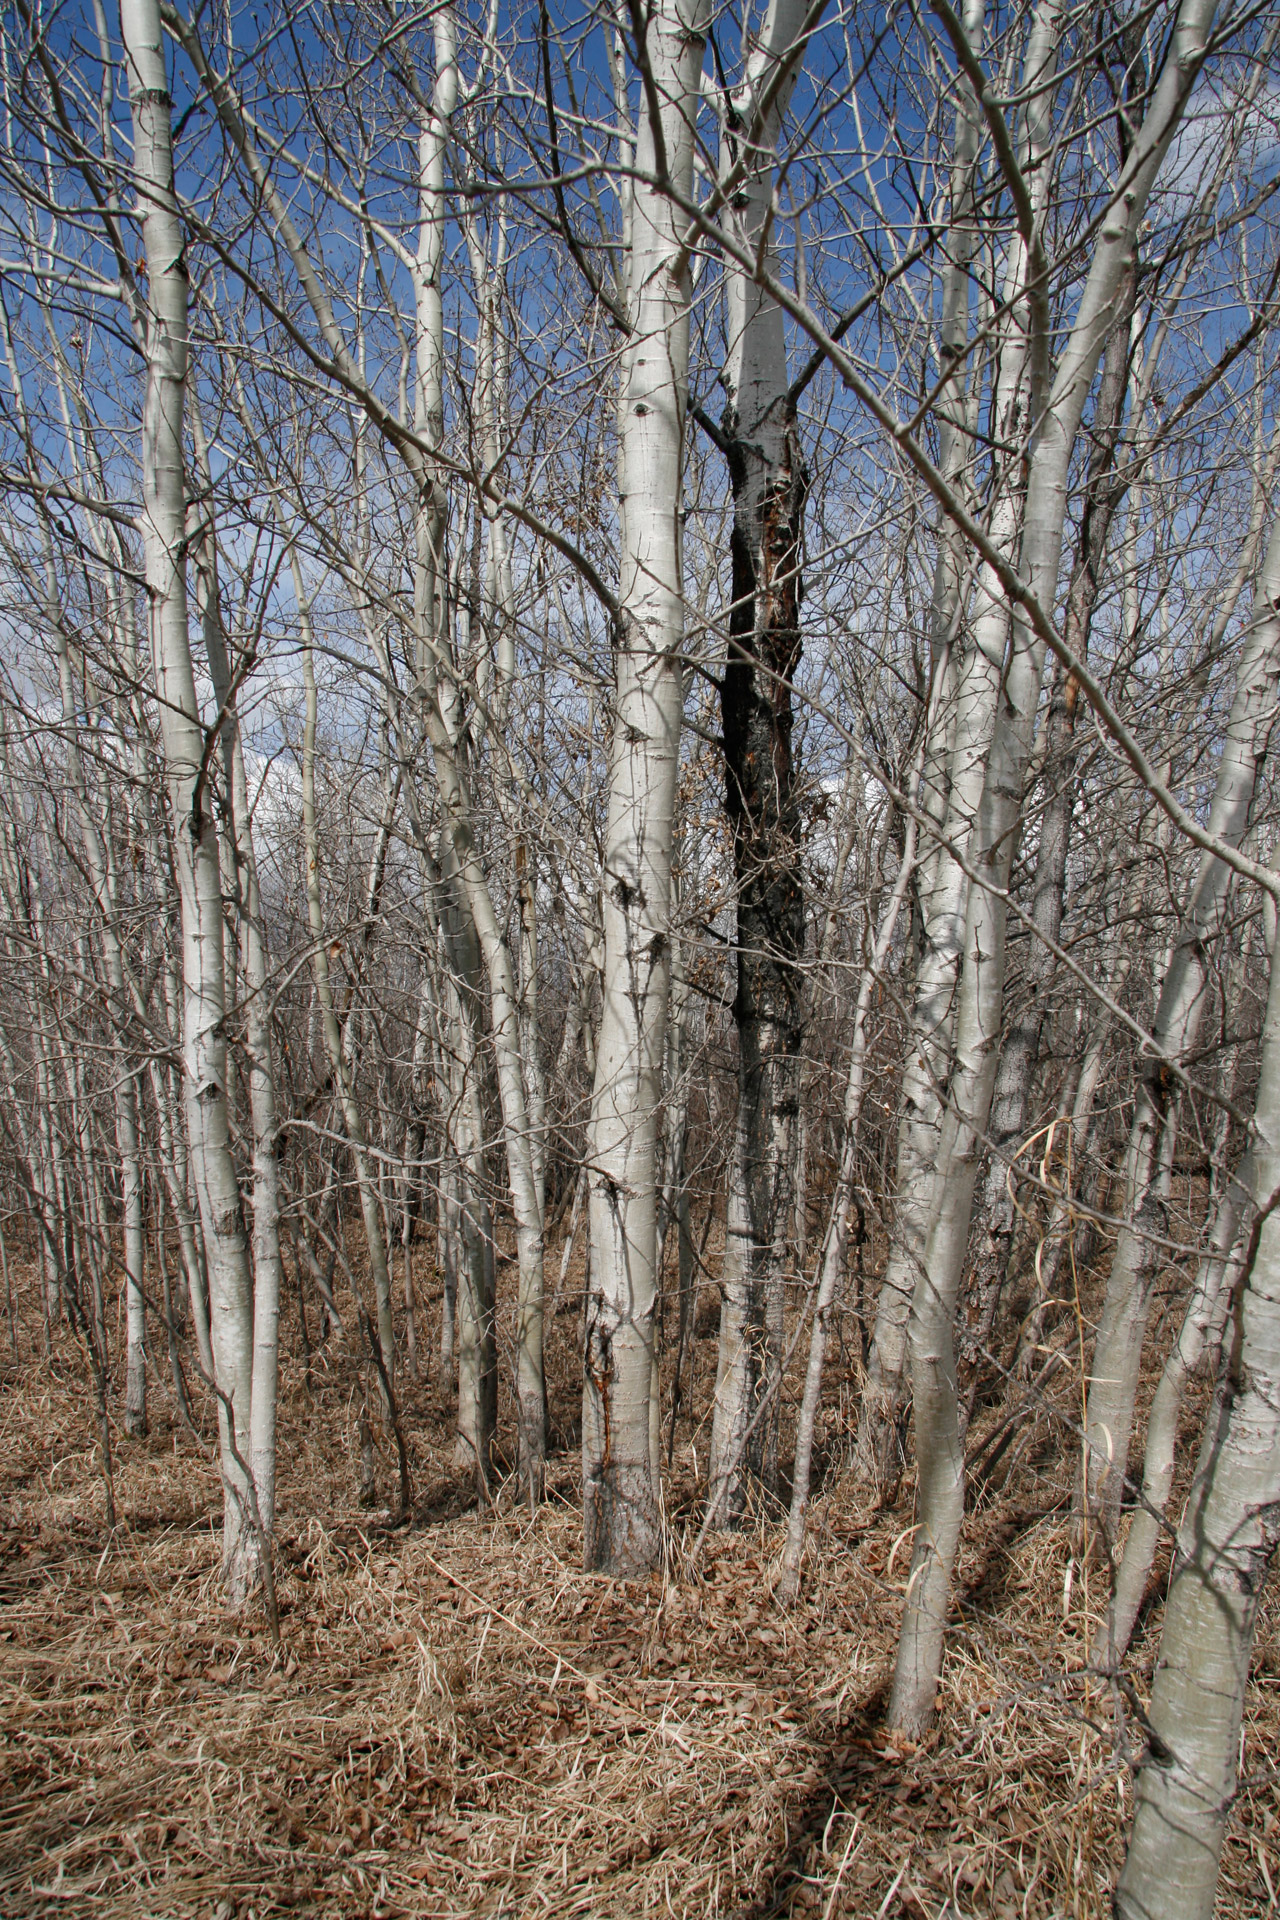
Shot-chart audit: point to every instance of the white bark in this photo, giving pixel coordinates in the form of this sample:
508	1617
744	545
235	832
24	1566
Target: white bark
436	687
675	1207
252	938
620	1414
940	1497
195	845
1225	1547
468	1222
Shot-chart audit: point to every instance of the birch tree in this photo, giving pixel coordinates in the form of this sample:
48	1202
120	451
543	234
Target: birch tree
195	843
620	1427
1226	1545
941	1464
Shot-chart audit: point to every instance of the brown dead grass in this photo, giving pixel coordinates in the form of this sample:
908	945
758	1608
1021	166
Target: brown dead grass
465	1723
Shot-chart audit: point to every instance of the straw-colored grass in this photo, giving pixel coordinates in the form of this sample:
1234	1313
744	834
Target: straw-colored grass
465	1723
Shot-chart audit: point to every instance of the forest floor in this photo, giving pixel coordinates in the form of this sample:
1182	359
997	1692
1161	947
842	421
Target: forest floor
462	1722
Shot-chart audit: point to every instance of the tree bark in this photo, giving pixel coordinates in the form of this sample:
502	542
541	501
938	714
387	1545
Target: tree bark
195	843
252	937
1226	1544
767	477
1056	419
620	1444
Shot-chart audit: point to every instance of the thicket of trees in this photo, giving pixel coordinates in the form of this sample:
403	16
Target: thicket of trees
626	622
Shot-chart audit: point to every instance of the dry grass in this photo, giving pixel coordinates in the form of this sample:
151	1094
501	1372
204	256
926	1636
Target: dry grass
465	1723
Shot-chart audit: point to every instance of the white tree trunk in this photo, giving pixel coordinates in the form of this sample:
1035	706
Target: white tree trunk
469	1222
1225	1547
195	844
252	935
940	1496
620	1440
